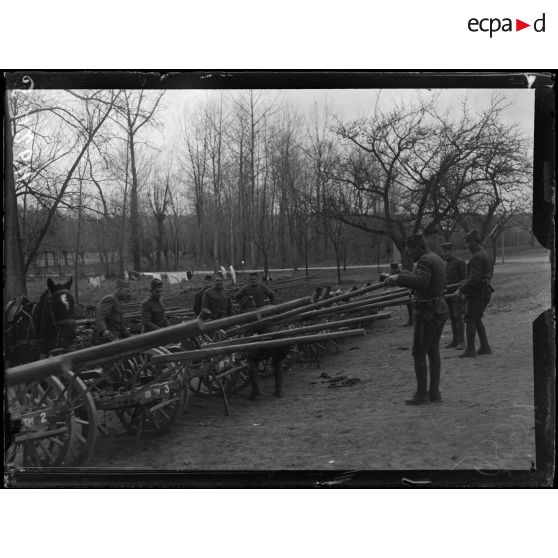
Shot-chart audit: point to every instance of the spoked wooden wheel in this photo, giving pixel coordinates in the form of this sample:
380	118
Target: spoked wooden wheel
161	403
232	375
84	420
40	422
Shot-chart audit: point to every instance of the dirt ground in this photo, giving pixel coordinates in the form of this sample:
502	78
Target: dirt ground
486	420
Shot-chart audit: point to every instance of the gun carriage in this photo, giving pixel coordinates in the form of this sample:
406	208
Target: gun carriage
53	403
146	379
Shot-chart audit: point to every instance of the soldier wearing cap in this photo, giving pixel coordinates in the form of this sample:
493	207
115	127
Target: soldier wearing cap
428	283
257	290
109	323
216	302
152	308
456	272
207	283
477	292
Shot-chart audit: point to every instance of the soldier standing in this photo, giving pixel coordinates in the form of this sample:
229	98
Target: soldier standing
207	283
428	282
477	292
277	356
257	290
456	272
152	308
109	323
216	302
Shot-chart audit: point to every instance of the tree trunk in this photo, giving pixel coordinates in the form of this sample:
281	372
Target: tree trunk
159	242
78	247
123	223
14	270
134	208
338	263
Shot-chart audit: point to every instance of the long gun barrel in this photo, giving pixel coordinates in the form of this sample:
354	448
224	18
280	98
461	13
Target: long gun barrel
340	308
356	308
258	346
300	330
131	345
285	316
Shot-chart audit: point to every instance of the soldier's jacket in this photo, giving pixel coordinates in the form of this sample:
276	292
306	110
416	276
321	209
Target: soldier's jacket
258	293
456	270
198	300
218	302
428	283
152	314
479	273
110	316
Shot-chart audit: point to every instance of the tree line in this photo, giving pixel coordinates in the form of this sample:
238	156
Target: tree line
245	179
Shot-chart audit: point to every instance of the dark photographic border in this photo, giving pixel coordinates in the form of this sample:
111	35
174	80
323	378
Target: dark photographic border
542	82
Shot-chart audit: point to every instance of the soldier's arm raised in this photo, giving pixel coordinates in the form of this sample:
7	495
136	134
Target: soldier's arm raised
417	280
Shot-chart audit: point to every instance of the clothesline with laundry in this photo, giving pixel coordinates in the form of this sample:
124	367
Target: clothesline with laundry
95	282
176	277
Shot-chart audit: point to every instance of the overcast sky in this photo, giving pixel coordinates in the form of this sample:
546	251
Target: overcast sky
348	104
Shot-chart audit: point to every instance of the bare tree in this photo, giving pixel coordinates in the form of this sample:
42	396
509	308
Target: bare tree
194	162
159	200
96	107
136	111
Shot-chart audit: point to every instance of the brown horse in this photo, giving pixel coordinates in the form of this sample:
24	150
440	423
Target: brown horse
32	330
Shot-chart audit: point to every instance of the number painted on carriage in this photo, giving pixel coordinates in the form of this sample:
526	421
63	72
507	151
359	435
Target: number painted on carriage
28	421
161	390
38	418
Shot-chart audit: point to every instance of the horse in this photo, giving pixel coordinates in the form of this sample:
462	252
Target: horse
33	330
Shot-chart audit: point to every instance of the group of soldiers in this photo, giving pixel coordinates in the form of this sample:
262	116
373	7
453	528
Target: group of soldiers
211	302
465	306
432	276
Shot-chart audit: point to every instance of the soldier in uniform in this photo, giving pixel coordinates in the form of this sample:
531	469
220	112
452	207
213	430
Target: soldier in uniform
394	270
477	292
428	283
257	290
109	324
207	283
152	309
456	272
216	302
277	355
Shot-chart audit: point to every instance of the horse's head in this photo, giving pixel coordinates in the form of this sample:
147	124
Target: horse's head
56	313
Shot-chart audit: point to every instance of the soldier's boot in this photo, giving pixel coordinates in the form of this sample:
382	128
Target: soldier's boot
254	382
460	326
434	389
278	373
421	373
470	349
484	348
453	335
